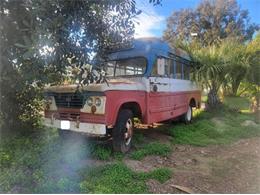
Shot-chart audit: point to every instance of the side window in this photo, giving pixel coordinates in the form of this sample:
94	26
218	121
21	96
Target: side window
169	68
110	68
186	72
178	70
171	64
161	62
161	67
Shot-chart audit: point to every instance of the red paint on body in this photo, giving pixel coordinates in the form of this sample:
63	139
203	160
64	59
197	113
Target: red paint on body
154	106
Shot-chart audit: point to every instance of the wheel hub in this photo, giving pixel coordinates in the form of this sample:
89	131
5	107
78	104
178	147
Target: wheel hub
129	131
189	114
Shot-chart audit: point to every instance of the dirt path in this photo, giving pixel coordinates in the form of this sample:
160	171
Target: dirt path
231	168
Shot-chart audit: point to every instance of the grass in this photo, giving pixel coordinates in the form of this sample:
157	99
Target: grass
154	148
222	126
239	103
161	174
138	138
118	178
43	163
101	153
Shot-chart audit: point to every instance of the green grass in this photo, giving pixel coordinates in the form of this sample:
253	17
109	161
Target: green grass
101	153
44	163
219	127
238	103
154	148
138	138
118	178
161	174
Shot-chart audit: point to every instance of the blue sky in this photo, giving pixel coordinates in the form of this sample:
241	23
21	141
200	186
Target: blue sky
153	18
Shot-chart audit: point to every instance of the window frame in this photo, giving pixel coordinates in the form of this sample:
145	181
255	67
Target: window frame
175	58
135	75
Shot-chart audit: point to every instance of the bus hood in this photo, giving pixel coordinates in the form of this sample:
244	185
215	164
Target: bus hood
113	84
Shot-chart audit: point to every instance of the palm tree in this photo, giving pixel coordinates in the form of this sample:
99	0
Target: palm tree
253	50
237	64
209	71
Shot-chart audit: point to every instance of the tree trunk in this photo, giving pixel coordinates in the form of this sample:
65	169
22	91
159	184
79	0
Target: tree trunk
235	86
213	99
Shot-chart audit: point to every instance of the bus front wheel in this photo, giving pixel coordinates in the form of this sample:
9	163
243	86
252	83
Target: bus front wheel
123	131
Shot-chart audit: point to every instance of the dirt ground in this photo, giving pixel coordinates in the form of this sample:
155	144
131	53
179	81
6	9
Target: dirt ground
233	168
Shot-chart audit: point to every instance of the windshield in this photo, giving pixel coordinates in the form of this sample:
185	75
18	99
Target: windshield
126	67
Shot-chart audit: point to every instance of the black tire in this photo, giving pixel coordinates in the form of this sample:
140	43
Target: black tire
187	117
123	131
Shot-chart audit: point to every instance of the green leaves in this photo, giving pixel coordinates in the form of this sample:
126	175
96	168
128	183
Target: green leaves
212	21
39	36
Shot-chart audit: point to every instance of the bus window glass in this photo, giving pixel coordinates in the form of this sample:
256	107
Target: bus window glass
126	67
186	72
161	66
171	68
178	70
110	68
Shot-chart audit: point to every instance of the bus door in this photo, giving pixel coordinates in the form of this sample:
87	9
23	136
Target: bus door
159	105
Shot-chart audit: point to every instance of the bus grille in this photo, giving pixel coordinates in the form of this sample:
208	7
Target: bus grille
69	116
69	100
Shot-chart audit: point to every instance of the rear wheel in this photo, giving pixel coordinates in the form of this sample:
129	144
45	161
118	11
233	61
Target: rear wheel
187	117
123	131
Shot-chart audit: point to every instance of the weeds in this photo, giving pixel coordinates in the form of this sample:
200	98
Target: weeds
154	148
101	153
221	126
44	163
237	103
160	174
118	178
138	138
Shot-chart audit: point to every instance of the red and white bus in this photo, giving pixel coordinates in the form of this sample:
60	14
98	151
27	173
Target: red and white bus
149	81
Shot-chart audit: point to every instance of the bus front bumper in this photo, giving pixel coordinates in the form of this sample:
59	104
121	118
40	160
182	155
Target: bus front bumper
88	128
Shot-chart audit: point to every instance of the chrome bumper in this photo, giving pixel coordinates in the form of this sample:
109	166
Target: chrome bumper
89	128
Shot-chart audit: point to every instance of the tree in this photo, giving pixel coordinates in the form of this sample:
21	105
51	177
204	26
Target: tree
237	62
253	50
211	21
41	39
214	34
209	71
16	94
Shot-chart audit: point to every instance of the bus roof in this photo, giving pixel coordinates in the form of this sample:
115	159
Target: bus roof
150	48
147	47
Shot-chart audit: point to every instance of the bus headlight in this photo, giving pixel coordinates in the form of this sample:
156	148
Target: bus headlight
98	101
90	101
94	105
49	103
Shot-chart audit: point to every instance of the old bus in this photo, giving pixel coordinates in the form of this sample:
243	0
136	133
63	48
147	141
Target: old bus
149	80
